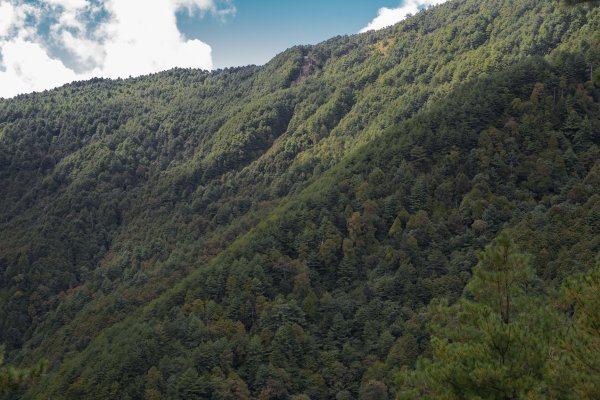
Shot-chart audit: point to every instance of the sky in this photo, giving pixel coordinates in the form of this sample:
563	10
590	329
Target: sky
47	43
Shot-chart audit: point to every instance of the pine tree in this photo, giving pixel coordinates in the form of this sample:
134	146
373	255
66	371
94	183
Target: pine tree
493	343
576	371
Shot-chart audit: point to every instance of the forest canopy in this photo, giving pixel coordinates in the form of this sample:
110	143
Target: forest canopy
412	212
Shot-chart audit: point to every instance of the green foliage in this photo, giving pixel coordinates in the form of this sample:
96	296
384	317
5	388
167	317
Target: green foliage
13	381
575	2
576	368
278	231
500	278
492	344
507	339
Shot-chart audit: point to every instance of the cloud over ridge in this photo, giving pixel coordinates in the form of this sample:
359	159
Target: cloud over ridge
389	16
46	43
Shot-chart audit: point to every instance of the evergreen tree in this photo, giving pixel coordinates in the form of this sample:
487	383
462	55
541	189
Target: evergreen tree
576	370
493	343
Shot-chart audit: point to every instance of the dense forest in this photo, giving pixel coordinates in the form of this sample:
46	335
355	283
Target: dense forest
407	213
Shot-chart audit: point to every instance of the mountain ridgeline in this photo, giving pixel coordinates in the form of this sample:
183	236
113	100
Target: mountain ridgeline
412	212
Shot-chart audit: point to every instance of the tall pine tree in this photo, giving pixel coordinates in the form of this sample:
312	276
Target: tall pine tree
492	344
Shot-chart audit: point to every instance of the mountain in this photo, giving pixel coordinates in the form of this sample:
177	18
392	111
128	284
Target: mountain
279	231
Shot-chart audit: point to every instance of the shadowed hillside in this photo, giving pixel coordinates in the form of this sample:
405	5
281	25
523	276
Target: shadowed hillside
276	231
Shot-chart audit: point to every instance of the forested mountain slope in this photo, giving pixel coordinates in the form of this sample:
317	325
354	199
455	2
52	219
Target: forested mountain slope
279	230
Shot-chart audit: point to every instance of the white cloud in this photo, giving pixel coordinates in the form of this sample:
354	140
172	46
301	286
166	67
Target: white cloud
150	38
138	37
28	67
86	53
7	18
218	8
67	4
12	18
390	16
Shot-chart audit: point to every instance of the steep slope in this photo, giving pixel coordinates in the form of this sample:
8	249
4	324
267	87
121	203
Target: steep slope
325	293
118	190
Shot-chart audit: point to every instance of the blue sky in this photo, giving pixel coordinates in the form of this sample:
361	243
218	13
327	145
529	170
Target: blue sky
261	29
47	43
